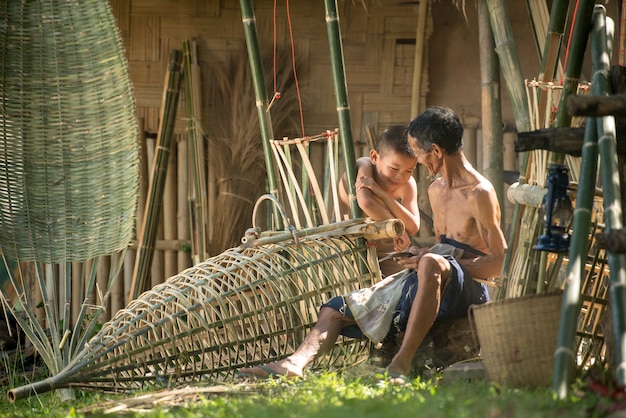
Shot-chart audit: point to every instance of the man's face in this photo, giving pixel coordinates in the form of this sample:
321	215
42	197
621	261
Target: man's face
428	159
392	169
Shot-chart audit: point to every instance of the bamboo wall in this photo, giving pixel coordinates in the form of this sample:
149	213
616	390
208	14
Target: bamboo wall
379	41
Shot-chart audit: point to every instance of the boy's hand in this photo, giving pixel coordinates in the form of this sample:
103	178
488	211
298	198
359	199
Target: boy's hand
364	182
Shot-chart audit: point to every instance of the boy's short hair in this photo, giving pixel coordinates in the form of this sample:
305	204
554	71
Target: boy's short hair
395	139
437	125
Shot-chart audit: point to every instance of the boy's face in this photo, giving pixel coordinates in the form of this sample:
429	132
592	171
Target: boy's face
392	169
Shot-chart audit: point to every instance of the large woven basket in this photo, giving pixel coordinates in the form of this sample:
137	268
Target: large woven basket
68	132
518	338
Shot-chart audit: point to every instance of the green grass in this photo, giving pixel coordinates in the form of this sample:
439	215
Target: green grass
332	395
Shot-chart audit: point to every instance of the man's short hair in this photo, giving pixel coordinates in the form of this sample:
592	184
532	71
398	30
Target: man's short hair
437	125
394	139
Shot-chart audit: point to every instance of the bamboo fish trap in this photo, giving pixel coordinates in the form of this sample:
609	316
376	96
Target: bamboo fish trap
245	306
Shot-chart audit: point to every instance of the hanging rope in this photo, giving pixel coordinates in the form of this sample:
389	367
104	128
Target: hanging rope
276	94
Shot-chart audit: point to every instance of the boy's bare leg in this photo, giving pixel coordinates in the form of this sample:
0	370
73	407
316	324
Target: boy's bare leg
432	272
319	340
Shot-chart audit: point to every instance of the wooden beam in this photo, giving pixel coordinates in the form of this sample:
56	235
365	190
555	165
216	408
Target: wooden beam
564	140
578	105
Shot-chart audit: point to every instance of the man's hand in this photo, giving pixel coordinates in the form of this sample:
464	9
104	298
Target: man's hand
412	262
402	242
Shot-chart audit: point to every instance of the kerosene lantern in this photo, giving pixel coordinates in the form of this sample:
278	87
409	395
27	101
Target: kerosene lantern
557	212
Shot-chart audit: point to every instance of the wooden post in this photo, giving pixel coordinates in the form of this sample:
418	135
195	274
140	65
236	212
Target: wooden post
184	232
422	175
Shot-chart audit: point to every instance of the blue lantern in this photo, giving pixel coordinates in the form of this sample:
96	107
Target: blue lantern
557	212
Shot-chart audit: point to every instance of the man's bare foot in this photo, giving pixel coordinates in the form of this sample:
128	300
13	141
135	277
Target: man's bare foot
396	376
276	369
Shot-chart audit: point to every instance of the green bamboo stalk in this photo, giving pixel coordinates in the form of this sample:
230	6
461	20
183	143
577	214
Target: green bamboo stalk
341	98
509	62
258	77
550	54
565	355
573	67
152	212
602	33
197	190
491	105
565	352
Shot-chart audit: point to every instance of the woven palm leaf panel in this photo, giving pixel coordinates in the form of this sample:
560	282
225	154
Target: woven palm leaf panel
68	132
239	308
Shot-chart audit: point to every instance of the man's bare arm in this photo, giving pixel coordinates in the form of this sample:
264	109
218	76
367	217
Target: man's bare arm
484	206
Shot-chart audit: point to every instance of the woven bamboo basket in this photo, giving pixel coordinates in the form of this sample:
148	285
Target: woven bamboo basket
68	132
518	338
247	306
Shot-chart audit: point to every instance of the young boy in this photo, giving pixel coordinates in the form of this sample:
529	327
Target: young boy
386	189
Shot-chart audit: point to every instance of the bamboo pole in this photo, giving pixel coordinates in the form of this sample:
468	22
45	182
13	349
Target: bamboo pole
258	77
510	67
144	175
182	204
491	108
573	67
170	258
550	55
341	99
102	281
565	357
416	108
418	62
612	197
596	128
509	62
145	252
117	293
78	293
197	188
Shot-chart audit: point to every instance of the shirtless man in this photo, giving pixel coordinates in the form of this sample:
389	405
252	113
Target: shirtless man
386	188
466	215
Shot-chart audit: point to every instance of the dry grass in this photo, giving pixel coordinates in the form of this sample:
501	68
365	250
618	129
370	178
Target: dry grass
235	148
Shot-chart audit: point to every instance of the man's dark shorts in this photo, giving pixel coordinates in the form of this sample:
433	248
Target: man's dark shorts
461	291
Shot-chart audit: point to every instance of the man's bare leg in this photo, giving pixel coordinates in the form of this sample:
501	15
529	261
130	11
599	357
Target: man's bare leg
319	340
432	271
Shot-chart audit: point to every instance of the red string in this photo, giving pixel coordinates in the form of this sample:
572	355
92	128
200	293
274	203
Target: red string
274	47
571	30
293	63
